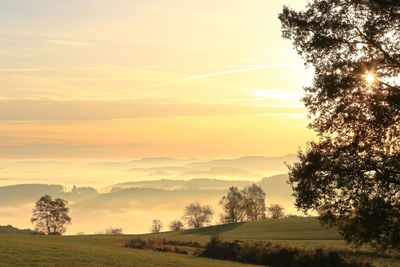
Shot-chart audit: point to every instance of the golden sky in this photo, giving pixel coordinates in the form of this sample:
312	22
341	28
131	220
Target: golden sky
131	79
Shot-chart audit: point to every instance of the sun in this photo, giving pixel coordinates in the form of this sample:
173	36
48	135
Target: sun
370	77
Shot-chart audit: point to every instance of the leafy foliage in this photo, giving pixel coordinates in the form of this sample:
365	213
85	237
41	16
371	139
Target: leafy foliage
351	175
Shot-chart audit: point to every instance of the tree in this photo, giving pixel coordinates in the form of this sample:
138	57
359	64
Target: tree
233	206
156	226
114	231
176	225
351	174
51	216
276	211
197	216
254	203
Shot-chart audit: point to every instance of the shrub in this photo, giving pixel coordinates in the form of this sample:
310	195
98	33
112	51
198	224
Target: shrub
265	253
157	244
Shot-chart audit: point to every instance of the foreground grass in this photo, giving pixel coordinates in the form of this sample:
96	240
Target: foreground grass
72	251
306	233
103	250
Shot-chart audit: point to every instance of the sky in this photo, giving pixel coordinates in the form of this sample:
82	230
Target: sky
127	79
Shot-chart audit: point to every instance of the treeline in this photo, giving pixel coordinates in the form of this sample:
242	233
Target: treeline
247	204
51	216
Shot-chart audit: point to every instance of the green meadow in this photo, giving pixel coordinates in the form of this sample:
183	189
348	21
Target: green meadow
105	250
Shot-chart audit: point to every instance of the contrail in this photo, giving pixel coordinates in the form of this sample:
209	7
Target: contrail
213	74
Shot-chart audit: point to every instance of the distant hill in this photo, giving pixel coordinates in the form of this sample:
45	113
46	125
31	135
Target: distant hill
28	193
255	164
8	229
133	205
192	184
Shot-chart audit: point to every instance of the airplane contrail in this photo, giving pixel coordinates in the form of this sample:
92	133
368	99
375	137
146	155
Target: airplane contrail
213	74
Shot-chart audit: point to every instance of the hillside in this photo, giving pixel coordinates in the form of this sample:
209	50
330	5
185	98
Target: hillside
8	229
296	228
103	250
134	204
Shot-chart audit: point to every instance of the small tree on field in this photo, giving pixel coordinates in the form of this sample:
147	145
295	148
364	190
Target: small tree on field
197	216
276	211
254	203
51	216
176	225
156	226
233	206
114	231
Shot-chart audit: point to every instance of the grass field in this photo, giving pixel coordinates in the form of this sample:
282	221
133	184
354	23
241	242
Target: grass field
103	250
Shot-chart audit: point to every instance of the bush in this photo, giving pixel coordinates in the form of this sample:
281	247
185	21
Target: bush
265	253
157	244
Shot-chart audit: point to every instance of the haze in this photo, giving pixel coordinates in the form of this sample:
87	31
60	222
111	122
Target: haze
96	93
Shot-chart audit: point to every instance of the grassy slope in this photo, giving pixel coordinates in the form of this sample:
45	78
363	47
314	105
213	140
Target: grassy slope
72	251
105	250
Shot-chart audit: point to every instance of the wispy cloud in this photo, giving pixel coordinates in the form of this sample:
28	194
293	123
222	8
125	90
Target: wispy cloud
30	110
68	42
7	70
209	75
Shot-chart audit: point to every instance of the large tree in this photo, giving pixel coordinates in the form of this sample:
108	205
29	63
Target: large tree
51	216
254	203
351	173
233	206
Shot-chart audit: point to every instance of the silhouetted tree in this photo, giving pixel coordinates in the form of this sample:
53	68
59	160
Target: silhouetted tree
254	203
156	226
276	211
114	231
51	216
176	225
233	206
351	175
197	216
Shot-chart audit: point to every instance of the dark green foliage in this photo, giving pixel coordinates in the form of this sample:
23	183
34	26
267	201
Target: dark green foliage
268	254
351	175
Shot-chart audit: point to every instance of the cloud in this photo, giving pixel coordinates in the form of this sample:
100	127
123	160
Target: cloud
29	110
210	75
7	70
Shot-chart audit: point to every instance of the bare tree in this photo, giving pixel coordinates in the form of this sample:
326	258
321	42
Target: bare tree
176	225
276	211
254	203
197	216
233	206
114	231
51	216
156	226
